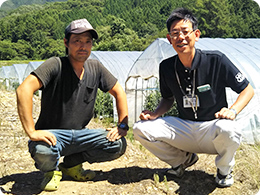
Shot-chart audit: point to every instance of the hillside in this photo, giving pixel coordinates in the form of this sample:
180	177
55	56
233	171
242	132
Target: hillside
136	172
9	5
36	32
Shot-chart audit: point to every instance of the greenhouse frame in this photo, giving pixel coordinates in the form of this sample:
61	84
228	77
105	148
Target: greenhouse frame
138	72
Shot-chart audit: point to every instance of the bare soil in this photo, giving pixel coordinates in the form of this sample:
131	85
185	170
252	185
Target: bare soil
136	172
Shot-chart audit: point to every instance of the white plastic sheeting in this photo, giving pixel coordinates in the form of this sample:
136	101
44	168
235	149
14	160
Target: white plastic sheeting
31	67
244	53
20	69
7	74
12	75
146	66
118	63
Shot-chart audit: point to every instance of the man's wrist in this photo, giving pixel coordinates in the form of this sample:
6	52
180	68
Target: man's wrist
233	110
123	126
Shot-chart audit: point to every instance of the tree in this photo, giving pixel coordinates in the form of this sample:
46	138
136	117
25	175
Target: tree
121	24
245	18
6	50
24	50
118	26
214	18
53	48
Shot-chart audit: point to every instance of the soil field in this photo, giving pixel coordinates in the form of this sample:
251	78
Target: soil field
136	172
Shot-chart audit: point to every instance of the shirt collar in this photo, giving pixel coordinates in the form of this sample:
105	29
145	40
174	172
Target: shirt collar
196	59
195	62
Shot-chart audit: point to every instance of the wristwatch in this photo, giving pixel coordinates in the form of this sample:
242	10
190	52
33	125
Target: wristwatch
123	126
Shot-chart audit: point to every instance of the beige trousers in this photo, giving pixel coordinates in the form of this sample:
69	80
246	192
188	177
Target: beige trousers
170	138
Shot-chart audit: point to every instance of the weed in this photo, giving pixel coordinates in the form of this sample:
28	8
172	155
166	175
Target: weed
166	184
156	179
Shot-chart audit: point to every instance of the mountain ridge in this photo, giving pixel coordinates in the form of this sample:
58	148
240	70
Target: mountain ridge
8	5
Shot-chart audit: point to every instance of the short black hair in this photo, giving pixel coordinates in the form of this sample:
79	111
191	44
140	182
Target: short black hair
182	14
68	39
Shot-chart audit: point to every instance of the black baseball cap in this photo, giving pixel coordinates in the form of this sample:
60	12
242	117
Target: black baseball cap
80	26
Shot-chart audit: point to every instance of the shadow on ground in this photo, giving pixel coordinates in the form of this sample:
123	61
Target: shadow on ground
195	181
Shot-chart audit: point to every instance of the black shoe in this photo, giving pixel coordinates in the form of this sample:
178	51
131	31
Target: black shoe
224	180
179	171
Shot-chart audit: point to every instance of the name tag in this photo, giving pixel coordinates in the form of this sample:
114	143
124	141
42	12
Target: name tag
189	101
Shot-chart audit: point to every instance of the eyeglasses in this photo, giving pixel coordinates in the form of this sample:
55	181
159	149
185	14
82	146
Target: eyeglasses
175	34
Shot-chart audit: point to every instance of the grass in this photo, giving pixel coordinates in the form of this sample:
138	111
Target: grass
247	165
11	62
2	86
246	170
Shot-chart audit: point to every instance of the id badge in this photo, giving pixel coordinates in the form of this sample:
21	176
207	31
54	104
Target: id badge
189	101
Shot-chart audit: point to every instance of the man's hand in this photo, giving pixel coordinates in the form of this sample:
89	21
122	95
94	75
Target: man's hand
46	136
115	133
147	115
242	100
225	113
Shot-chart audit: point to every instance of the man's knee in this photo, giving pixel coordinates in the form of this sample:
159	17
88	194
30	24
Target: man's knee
122	147
110	152
145	131
138	128
44	155
228	130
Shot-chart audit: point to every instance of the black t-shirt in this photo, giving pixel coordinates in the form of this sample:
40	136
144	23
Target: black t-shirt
212	68
68	102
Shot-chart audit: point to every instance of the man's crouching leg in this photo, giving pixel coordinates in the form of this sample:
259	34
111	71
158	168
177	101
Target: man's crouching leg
227	140
46	159
106	151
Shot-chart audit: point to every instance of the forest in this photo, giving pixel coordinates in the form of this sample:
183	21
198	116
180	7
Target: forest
36	31
9	5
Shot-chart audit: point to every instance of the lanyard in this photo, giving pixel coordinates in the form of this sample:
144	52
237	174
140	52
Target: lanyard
194	107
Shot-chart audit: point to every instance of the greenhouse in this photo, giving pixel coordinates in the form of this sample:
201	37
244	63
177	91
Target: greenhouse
244	53
30	67
20	69
11	76
118	63
137	72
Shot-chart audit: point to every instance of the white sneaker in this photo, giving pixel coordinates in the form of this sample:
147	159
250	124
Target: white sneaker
224	180
179	171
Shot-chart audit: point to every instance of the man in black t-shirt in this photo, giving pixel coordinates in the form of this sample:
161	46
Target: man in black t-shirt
69	86
196	80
